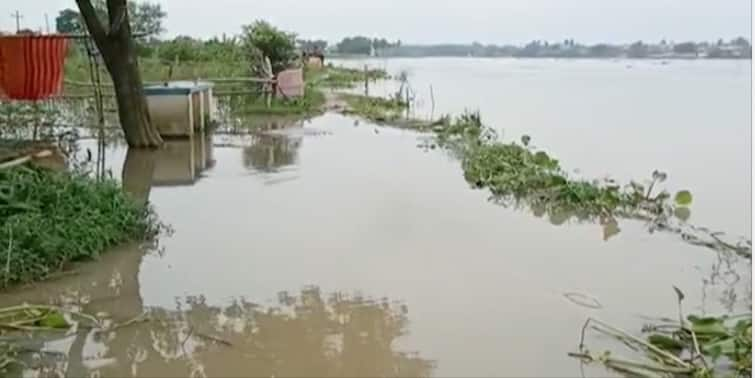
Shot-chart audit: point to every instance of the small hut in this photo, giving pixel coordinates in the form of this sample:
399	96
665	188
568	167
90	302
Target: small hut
313	58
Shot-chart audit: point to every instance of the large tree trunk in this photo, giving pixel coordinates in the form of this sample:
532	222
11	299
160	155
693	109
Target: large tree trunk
132	105
119	53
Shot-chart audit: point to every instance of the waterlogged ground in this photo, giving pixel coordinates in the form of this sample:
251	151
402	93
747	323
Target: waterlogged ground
334	247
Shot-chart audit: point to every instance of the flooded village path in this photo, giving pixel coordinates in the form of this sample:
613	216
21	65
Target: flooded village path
337	247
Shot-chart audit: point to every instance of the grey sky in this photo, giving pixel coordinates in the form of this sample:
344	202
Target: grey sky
428	21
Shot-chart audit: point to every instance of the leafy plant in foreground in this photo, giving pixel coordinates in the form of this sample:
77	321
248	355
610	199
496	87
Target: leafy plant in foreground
49	219
694	346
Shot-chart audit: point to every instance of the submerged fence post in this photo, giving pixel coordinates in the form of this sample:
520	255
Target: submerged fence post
432	99
366	81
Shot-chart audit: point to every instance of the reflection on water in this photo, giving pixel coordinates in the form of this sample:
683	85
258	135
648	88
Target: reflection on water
178	162
302	335
726	280
268	153
305	335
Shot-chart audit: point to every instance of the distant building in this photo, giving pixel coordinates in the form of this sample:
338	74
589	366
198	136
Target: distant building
314	59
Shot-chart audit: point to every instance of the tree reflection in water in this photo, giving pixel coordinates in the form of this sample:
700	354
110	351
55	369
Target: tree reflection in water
268	153
303	335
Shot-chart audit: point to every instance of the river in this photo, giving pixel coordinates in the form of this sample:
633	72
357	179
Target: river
342	248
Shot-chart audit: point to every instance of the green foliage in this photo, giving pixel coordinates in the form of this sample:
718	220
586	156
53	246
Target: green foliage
8	355
68	22
683	198
680	348
261	39
360	45
637	50
685	48
343	77
317	45
355	45
49	219
375	109
187	49
517	172
53	320
145	17
311	104
717	337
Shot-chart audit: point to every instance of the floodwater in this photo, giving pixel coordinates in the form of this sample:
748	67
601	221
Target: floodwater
335	247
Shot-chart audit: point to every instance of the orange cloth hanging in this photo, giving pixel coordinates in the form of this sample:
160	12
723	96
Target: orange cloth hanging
31	66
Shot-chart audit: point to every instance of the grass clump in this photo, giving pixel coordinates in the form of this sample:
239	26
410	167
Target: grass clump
49	219
311	103
377	109
341	77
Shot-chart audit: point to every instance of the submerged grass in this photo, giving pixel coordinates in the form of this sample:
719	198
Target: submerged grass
311	103
376	109
49	219
337	77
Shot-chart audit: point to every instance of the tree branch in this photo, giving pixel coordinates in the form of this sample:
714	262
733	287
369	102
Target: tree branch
96	30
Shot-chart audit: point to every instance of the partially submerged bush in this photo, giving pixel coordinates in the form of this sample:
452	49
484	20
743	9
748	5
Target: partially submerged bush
49	219
342	77
311	103
261	39
376	109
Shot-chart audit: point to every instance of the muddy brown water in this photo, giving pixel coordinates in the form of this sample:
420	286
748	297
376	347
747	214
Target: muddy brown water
337	248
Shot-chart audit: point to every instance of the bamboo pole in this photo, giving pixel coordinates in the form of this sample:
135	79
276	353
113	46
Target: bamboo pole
25	159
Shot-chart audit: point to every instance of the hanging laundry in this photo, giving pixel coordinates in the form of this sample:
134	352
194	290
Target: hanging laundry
31	66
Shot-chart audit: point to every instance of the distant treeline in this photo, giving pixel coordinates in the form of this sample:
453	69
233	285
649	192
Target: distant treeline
147	18
738	48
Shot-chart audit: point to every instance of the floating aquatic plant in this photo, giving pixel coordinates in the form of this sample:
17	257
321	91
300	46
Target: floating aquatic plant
695	346
520	172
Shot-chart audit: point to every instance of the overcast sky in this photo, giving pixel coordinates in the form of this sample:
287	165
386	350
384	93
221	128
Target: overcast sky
429	21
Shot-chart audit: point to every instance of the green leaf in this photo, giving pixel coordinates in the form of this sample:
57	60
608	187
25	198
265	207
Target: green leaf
725	347
54	320
542	159
558	217
666	343
743	326
683	198
556	180
682	213
708	326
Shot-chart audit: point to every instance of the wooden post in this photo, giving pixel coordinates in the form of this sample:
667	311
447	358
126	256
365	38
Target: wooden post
366	81
432	99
